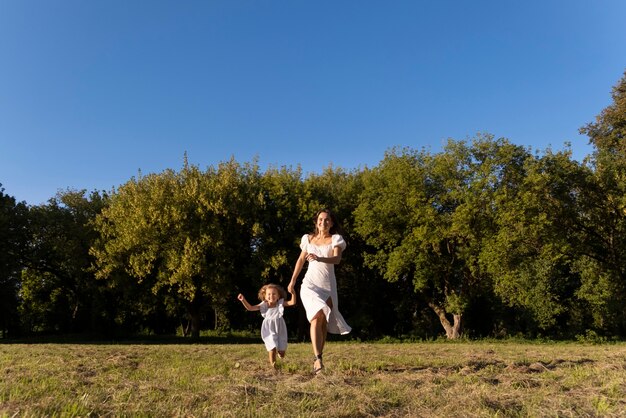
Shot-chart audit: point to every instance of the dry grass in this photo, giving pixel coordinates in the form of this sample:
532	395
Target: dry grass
473	379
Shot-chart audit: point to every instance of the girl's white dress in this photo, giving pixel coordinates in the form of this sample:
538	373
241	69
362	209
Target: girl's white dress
320	284
273	328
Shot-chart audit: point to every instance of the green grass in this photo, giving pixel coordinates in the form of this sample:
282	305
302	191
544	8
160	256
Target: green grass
480	379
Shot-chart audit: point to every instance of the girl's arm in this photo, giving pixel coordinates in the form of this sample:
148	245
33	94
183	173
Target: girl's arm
296	272
245	303
335	259
293	301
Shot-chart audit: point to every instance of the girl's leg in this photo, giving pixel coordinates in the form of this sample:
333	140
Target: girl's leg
281	354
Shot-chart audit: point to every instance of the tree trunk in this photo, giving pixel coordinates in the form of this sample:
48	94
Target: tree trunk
453	331
221	318
195	325
185	326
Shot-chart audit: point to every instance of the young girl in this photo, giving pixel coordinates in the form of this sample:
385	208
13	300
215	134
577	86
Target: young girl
273	329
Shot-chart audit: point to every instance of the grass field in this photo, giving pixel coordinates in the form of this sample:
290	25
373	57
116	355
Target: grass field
469	379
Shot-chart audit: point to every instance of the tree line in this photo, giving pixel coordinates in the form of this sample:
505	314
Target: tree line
483	238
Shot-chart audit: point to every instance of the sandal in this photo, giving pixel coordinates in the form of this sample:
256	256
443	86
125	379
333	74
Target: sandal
318	370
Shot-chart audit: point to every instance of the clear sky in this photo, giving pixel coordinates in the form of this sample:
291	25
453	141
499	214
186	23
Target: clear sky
92	91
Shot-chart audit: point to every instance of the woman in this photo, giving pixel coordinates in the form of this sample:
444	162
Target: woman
322	249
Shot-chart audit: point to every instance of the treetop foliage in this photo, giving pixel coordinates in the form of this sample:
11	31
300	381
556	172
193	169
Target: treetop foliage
481	238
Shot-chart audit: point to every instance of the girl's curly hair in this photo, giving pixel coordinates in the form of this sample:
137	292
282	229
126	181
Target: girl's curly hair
279	288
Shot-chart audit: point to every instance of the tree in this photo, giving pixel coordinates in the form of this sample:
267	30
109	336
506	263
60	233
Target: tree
13	243
428	217
59	291
184	235
539	231
278	221
603	262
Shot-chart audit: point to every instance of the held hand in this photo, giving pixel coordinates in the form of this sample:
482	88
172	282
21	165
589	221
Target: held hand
291	288
311	257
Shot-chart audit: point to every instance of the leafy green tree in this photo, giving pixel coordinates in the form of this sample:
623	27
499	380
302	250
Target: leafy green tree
428	217
277	220
278	223
603	263
539	231
183	235
13	243
59	291
559	251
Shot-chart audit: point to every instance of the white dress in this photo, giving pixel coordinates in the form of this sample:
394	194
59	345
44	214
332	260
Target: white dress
273	328
320	284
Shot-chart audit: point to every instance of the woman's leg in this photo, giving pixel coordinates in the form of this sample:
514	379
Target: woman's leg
318	332
272	355
318	338
323	333
324	325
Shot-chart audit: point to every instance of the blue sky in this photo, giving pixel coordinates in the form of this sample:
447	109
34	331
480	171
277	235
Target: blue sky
93	91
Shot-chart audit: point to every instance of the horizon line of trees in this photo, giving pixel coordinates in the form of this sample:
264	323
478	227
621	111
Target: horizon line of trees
484	238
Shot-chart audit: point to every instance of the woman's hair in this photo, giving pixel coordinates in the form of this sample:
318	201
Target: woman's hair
281	291
335	229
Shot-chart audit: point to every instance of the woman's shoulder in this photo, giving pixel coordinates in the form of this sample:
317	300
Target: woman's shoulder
338	241
304	242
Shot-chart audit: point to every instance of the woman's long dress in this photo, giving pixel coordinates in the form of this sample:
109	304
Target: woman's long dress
320	285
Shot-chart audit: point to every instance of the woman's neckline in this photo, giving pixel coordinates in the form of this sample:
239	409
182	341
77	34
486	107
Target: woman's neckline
312	237
321	245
